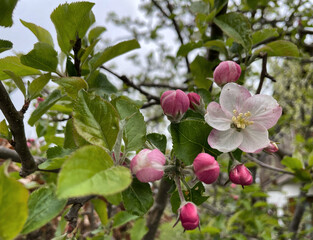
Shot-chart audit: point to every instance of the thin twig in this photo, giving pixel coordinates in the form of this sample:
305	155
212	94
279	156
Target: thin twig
128	82
160	85
264	73
264	165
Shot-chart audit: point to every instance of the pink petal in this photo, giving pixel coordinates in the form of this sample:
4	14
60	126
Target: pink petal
225	141
217	118
233	96
255	136
149	175
264	110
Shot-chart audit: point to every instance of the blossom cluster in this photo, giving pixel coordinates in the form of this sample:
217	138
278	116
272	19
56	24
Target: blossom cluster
239	120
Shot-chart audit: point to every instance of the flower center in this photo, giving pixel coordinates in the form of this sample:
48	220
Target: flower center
241	120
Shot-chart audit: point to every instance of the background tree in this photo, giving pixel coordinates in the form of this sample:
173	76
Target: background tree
77	182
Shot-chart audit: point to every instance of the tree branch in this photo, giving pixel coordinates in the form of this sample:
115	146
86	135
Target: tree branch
72	215
160	85
300	208
264	73
128	82
264	165
157	210
16	124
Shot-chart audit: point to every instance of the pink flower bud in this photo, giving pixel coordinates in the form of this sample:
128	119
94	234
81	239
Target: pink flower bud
206	168
189	216
240	175
235	197
194	99
225	72
174	104
39	100
271	148
148	165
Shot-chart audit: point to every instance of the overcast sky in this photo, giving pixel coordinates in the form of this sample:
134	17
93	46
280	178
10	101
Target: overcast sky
38	12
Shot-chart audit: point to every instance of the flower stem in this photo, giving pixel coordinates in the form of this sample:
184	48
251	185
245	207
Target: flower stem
180	192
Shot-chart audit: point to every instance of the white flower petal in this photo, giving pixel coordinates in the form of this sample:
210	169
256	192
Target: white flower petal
217	118
264	110
225	141
255	136
233	96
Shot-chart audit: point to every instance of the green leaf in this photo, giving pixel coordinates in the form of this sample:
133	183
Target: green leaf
90	170
95	33
122	218
43	206
99	83
71	85
201	69
114	199
279	48
134	134
6	12
190	138
217	45
42	34
96	120
13	64
88	51
310	159
158	140
4	130
72	21
101	209
13	207
138	198
17	80
139	229
188	47
303	175
292	163
264	34
5	45
44	106
72	139
56	156
42	57
236	26
112	52
36	86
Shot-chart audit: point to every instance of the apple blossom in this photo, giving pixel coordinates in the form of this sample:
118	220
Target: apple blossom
241	120
196	102
174	104
206	168
240	175
225	72
271	148
148	165
189	216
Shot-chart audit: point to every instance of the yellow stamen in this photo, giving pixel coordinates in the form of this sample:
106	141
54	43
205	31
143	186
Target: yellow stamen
241	120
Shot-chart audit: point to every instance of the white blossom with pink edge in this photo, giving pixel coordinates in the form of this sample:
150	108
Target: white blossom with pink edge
241	120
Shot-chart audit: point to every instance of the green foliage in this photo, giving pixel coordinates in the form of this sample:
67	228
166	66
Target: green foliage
36	86
95	33
4	130
96	120
158	140
13	207
201	69
99	83
5	45
134	134
42	57
138	198
44	106
13	64
279	48
236	26
72	21
72	85
56	156
43	206
190	139
17	80
139	229
101	209
123	217
264	34
42	34
6	12
112	52
90	170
